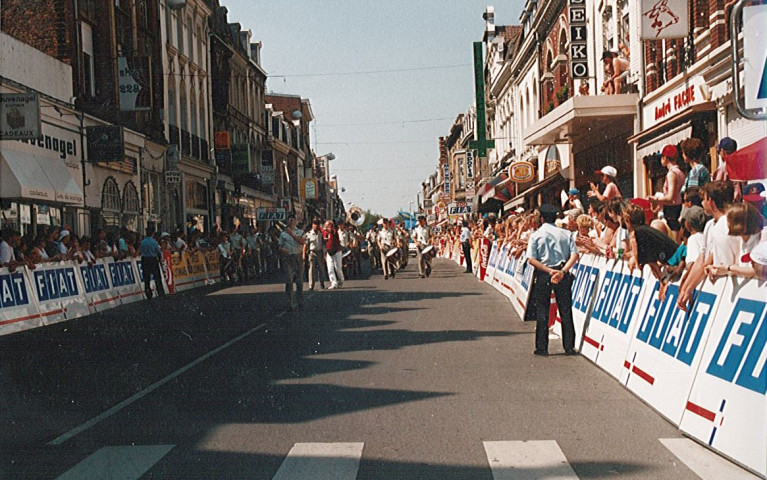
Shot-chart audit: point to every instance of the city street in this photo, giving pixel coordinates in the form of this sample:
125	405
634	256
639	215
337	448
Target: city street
403	378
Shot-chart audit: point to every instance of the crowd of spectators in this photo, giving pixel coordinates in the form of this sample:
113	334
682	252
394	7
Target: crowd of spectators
695	228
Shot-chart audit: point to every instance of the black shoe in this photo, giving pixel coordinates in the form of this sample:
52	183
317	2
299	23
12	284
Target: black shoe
542	353
570	352
422	276
428	271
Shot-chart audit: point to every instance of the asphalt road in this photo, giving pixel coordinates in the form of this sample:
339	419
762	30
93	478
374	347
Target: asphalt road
408	378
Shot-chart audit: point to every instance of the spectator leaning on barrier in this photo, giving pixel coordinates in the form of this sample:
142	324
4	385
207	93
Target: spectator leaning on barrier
759	261
608	175
720	247
744	221
727	146
151	256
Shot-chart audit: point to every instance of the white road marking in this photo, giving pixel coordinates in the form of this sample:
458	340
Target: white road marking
93	421
518	460
705	463
321	461
117	463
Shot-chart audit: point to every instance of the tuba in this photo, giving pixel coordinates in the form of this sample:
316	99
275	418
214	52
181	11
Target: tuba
356	216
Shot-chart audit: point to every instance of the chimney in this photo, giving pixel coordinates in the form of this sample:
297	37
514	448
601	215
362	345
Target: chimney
489	17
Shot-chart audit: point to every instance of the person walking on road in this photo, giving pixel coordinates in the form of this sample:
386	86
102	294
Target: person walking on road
333	254
422	237
465	240
151	256
291	245
314	253
552	252
386	242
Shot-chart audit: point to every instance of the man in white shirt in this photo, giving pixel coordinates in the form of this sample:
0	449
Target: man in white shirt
386	241
291	244
6	247
422	237
465	240
314	253
720	247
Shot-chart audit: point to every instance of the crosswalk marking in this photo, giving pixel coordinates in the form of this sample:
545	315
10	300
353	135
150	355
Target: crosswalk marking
321	461
705	463
517	460
117	463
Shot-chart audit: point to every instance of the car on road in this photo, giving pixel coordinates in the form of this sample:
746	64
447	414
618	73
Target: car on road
412	249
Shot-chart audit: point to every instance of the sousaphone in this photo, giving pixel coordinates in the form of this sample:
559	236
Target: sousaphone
356	216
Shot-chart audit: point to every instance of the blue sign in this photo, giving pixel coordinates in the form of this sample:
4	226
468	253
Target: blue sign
742	348
56	283
122	274
673	331
583	286
94	278
13	290
617	299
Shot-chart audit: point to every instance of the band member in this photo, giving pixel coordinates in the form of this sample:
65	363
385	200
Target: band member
291	245
314	254
552	252
372	239
386	242
422	236
333	255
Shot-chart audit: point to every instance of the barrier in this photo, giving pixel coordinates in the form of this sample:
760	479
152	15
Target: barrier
55	292
727	408
182	279
705	370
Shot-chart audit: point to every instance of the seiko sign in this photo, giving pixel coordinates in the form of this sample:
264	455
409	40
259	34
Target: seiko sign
579	59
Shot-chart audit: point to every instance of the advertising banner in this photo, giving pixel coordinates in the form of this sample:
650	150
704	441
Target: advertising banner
167	270
665	352
584	285
182	279
96	286
664	19
20	116
125	280
727	407
212	266
195	267
484	254
492	264
58	292
18	307
613	319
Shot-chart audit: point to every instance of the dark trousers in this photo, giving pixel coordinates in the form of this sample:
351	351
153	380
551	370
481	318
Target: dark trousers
151	267
467	255
541	299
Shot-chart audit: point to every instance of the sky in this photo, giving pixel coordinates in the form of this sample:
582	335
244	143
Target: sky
382	127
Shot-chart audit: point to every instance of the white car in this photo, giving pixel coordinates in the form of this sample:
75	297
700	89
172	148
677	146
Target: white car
412	249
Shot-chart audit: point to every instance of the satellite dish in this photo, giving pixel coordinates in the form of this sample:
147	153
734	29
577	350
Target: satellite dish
297	115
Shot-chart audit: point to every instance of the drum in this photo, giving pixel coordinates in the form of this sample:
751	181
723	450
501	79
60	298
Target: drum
428	252
346	254
393	254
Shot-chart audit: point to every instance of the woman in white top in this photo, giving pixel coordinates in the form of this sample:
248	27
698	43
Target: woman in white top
744	221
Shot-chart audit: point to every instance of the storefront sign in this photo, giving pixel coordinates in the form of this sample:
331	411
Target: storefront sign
309	188
240	158
105	143
458	208
670	104
134	86
271	214
664	19
579	59
172	177
470	164
446	174
755	50
221	140
267	167
521	172
19	116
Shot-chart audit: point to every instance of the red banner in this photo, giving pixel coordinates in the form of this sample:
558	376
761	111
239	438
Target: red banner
167	271
484	255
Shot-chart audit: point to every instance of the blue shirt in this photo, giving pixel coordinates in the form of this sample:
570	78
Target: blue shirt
150	248
551	245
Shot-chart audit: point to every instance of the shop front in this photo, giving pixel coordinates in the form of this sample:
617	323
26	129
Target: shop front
670	115
41	180
587	133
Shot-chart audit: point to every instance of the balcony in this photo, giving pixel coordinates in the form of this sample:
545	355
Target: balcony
196	146
173	135
186	142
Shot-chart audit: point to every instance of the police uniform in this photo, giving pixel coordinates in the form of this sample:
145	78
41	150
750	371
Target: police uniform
553	247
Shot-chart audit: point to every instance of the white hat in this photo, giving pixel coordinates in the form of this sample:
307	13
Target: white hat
609	171
520	210
164	234
62	234
759	254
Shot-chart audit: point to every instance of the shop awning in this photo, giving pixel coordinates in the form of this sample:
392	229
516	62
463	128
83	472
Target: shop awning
584	119
520	199
494	188
671	124
25	176
749	163
673	137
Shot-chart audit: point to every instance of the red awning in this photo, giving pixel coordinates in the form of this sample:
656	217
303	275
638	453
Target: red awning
748	163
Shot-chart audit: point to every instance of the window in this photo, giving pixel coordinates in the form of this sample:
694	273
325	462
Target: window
179	33
89	79
183	107
190	40
193	112
172	102
130	207
203	133
110	205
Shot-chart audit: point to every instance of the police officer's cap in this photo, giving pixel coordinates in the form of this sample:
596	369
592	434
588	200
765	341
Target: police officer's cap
548	209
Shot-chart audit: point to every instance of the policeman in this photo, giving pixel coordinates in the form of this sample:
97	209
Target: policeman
552	252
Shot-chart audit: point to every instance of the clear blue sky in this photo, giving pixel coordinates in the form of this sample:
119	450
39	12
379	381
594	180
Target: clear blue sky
380	166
